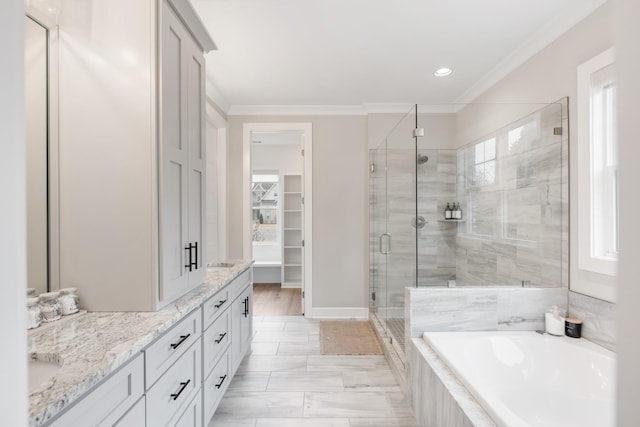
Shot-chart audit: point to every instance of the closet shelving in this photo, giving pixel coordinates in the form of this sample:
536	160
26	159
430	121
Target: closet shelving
292	231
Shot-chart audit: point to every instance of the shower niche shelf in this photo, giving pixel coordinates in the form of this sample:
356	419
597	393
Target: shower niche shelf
292	231
451	220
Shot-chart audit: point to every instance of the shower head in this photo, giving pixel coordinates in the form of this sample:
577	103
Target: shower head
422	159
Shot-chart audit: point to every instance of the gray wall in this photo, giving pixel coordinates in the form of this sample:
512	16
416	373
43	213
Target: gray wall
13	364
628	342
340	204
551	75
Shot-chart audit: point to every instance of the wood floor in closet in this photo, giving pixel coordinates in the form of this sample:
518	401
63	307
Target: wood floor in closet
270	299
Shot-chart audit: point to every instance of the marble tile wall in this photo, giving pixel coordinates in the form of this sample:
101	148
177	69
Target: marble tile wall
516	206
478	309
598	317
435	241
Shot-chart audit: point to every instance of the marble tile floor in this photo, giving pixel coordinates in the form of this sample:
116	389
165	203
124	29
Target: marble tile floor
286	382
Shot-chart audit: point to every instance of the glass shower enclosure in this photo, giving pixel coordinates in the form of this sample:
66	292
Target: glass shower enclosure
503	168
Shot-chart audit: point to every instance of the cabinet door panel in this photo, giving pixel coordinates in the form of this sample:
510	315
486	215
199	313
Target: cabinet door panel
195	86
174	167
110	400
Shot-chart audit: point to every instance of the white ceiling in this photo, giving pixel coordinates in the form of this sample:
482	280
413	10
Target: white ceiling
351	52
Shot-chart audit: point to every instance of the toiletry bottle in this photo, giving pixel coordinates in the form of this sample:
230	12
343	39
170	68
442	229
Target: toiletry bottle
456	211
448	212
459	211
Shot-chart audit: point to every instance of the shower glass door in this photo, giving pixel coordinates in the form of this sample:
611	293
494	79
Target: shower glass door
398	243
378	228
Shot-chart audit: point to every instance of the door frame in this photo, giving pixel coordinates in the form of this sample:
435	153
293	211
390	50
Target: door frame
306	128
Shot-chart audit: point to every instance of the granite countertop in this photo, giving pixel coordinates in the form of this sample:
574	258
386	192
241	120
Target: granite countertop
91	345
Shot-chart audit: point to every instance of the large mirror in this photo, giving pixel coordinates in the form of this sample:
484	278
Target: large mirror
41	147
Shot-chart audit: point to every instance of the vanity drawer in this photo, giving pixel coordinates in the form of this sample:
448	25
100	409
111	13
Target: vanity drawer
173	343
135	417
173	392
239	283
192	416
215	340
105	404
215	385
214	306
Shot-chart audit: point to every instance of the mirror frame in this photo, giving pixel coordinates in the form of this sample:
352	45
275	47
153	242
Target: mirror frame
48	19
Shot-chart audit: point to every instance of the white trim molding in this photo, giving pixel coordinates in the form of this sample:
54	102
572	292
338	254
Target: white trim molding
307	175
592	270
296	110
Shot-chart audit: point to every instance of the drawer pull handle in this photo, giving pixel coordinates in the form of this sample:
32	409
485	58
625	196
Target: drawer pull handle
221	381
183	338
220	304
219	340
183	386
246	307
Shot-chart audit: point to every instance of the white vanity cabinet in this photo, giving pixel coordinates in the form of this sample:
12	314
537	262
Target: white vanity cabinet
109	401
179	379
182	169
242	326
132	180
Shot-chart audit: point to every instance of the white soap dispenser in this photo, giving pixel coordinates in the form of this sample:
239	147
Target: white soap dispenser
554	321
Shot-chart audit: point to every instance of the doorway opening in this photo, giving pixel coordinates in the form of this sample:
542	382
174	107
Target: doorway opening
277	215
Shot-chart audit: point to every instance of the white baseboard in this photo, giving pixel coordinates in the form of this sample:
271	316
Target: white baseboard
285	286
360	313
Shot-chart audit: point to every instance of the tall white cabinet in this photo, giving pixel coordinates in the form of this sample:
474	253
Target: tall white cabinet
132	152
292	227
182	169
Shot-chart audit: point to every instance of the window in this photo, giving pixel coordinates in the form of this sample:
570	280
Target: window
264	208
482	163
597	166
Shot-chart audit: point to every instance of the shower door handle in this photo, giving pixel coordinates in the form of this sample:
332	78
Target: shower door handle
387	246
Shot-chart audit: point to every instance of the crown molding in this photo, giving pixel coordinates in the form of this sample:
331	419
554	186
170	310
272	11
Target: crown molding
536	43
296	110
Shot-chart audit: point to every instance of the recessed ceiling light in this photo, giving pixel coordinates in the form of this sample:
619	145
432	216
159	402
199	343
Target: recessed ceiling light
441	72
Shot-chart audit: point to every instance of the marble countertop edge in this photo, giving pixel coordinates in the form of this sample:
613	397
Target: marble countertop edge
92	346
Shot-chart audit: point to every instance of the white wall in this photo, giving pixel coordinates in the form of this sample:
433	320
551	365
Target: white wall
340	204
439	130
13	363
216	137
551	75
628	66
284	158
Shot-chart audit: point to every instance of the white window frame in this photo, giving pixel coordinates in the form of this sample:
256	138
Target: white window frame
587	232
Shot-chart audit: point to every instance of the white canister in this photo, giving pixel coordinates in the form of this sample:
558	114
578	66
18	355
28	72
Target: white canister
33	313
68	301
554	321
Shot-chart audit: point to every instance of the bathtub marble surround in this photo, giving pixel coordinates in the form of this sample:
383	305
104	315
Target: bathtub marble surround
95	344
437	397
478	309
598	319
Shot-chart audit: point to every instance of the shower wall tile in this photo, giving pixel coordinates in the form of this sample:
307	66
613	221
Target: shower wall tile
479	308
517	228
598	317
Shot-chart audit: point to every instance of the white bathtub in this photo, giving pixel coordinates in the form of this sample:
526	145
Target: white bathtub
528	379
